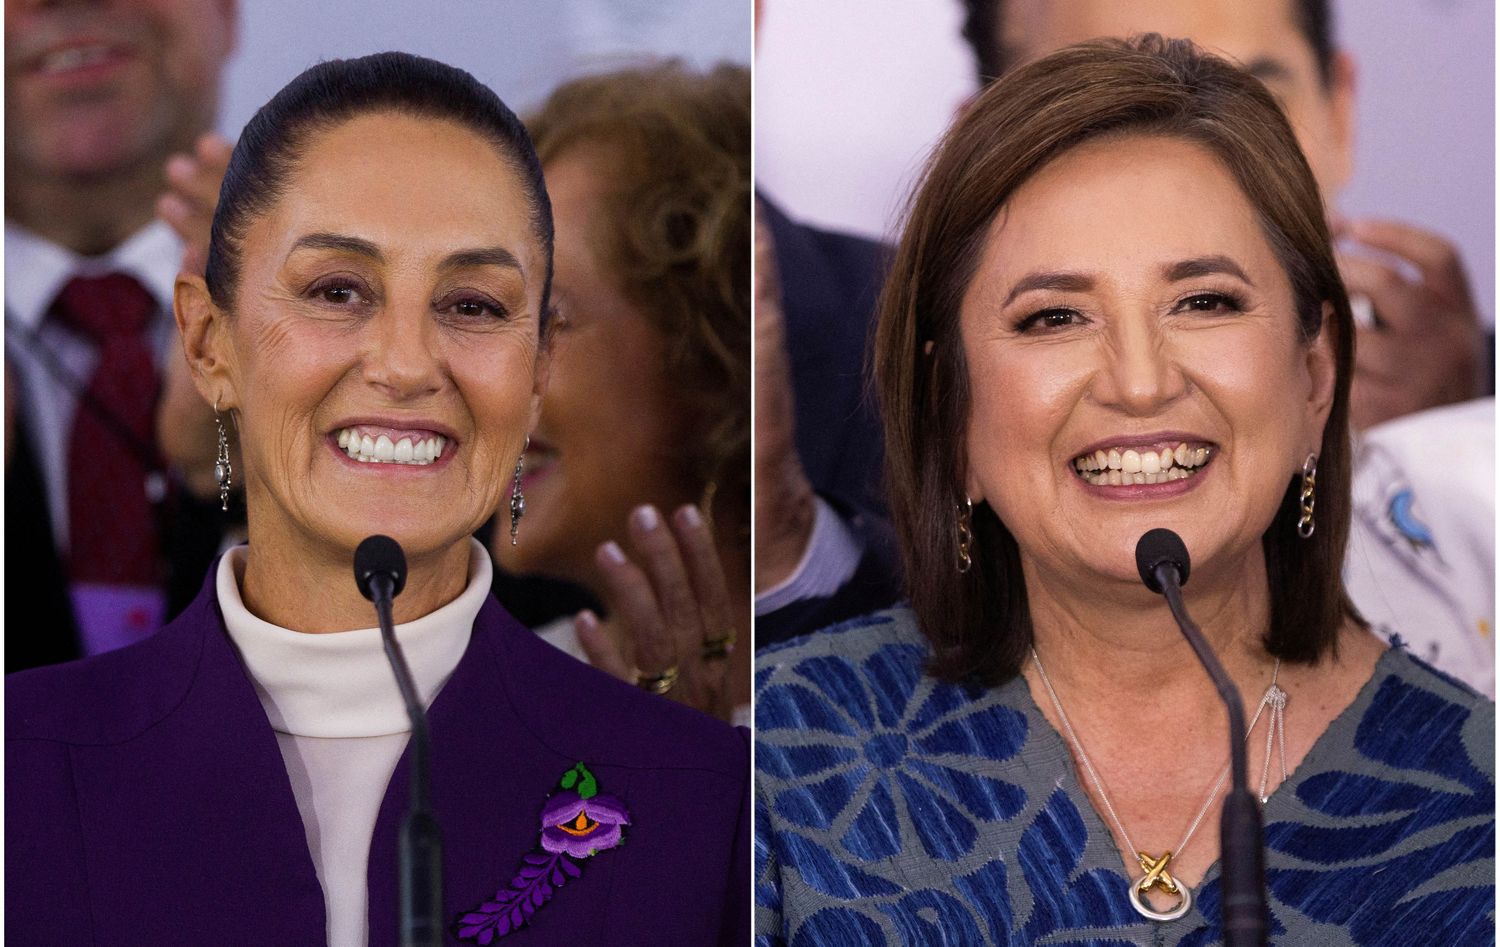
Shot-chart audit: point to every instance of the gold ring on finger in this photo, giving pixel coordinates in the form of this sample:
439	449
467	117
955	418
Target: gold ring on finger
714	648
658	683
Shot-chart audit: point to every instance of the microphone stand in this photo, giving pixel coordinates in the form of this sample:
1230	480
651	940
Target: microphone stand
421	844
1241	847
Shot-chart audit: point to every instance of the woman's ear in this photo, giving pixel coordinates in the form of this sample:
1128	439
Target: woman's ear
203	327
1322	372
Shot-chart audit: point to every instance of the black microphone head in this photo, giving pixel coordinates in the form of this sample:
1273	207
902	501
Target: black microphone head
378	555
1160	546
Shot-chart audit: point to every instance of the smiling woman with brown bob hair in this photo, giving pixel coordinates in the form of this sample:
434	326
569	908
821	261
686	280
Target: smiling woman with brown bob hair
1115	307
978	620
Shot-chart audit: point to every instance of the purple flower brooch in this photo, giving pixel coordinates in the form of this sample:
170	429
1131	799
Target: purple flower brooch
578	821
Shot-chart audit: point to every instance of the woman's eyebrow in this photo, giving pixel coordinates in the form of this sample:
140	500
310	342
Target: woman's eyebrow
1205	266
482	256
337	241
1065	282
485	256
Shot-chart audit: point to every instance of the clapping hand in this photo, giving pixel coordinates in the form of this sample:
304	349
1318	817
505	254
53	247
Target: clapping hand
193	181
186	433
672	627
1425	348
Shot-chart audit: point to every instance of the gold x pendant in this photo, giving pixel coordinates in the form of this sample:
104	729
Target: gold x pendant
1156	873
1157	876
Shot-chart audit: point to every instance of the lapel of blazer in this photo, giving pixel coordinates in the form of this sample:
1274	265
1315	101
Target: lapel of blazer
490	777
195	816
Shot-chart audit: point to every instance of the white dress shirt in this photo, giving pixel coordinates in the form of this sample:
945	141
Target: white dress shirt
36	270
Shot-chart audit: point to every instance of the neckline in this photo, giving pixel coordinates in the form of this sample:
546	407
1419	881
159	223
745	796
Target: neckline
339	684
1099	835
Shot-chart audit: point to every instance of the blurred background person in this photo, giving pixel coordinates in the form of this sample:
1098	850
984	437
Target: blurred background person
646	415
823	548
102	535
1421	342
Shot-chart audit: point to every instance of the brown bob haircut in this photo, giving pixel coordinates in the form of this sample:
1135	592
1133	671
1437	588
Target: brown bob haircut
978	621
676	240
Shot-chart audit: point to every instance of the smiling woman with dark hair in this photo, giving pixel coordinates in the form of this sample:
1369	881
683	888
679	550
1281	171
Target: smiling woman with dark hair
1115	307
371	326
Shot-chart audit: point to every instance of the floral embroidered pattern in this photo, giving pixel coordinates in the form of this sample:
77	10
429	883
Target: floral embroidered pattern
859	745
1384	835
578	822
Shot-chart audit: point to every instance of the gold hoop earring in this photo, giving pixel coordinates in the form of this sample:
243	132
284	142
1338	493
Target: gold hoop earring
965	536
1305	524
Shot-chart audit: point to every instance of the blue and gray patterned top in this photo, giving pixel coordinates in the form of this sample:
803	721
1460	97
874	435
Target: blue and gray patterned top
892	808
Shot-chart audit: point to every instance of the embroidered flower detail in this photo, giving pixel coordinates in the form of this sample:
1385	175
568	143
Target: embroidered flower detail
845	744
582	827
577	823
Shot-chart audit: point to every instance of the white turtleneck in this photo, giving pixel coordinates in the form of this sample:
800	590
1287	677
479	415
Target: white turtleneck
340	723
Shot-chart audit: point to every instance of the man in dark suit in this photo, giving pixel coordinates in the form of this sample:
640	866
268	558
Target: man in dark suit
823	549
103	539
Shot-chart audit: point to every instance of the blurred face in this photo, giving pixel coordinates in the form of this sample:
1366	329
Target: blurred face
96	88
611	425
383	351
1262	37
1134	362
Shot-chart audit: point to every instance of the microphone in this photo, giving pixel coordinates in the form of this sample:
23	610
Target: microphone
380	573
1162	560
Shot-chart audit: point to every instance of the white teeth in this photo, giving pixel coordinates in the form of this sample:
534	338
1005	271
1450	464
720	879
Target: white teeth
381	449
1124	467
74	58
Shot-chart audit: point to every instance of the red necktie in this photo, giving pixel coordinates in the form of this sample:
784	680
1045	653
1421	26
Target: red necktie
111	527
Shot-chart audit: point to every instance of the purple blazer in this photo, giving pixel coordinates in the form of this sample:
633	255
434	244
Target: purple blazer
147	802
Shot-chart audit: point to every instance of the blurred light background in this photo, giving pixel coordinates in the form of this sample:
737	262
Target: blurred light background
522	49
852	94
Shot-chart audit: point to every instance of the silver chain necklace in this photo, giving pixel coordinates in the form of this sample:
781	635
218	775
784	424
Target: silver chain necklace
1155	868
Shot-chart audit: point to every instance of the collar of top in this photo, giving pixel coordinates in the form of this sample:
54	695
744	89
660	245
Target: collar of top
340	684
